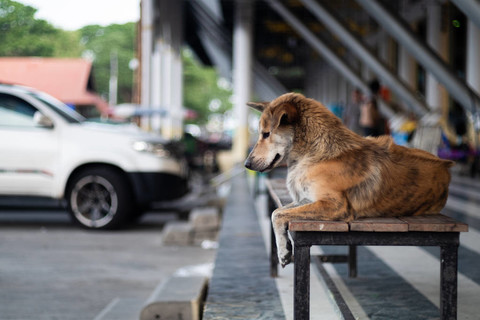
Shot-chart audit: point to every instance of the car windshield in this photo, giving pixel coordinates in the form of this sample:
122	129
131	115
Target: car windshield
59	107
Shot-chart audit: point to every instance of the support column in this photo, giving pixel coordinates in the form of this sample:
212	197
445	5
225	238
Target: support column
156	85
177	94
242	75
473	72
473	60
171	19
433	92
147	42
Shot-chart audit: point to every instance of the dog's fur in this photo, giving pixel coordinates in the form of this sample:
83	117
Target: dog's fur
335	174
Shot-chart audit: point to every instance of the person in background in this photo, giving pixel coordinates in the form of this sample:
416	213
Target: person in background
371	120
351	114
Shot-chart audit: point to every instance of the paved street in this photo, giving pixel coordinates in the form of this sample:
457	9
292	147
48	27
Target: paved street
50	269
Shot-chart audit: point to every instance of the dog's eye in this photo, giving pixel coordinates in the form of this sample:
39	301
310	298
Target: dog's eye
265	135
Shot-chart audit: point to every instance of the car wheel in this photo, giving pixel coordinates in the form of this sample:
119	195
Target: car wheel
100	198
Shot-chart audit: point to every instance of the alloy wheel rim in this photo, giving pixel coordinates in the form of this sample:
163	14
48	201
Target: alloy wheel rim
94	201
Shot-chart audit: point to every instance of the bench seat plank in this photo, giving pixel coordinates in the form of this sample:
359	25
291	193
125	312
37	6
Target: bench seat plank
424	223
318	225
434	223
379	225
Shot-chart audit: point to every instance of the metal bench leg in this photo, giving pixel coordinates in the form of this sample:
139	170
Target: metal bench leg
448	282
301	285
273	242
273	254
352	261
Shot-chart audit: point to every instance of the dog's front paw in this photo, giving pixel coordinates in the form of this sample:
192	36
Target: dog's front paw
285	259
285	255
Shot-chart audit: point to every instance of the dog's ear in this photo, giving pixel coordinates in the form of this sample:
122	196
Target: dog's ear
260	106
285	114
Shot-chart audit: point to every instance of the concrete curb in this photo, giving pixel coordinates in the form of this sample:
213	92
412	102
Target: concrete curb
176	298
203	224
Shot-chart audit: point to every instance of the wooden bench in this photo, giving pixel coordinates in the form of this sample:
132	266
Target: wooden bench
428	230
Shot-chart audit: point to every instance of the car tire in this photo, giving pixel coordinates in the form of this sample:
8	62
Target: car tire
100	198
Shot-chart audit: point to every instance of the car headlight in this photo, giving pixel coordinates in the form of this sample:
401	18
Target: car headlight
156	149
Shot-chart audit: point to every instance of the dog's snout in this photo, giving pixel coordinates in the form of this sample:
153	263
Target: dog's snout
248	163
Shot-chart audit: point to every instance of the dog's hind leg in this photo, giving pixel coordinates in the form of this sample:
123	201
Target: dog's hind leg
328	209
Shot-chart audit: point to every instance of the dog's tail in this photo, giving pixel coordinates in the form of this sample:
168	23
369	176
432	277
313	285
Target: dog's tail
448	163
428	156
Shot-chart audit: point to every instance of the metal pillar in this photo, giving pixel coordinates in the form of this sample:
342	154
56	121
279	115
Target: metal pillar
156	85
170	38
432	92
147	41
176	104
242	74
473	60
364	53
471	8
473	71
397	29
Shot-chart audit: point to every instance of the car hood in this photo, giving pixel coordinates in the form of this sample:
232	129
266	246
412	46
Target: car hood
122	131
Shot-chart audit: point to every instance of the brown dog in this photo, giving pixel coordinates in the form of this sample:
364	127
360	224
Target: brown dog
335	174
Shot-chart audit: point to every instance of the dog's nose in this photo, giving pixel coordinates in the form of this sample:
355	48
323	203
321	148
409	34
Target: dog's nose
248	163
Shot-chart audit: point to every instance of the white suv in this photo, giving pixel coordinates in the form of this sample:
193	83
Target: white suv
108	174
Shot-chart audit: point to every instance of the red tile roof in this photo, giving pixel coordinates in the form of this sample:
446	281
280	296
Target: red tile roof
64	78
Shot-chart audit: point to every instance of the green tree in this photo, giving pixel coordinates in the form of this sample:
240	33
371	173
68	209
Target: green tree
99	43
201	90
23	35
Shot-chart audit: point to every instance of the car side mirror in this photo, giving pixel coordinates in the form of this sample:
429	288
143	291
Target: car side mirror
42	120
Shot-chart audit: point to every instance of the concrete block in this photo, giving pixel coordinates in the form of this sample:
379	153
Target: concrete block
176	298
203	219
177	233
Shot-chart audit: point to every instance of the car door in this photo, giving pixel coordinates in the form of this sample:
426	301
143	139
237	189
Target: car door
28	149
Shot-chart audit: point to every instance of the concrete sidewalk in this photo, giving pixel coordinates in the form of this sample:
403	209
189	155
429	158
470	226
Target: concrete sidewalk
241	287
